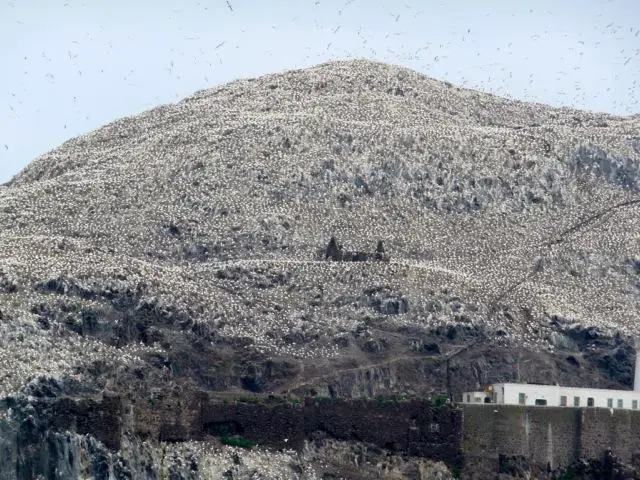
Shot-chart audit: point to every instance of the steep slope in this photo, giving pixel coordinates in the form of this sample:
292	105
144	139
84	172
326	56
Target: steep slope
185	243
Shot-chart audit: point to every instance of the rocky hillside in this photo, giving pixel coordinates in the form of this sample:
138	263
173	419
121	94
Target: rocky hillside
186	245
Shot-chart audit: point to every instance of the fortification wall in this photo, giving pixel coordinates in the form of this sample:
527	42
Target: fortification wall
476	437
620	430
544	435
276	425
416	427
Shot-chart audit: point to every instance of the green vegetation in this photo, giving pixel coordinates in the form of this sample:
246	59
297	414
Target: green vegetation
387	399
383	400
440	400
567	475
321	399
246	399
237	441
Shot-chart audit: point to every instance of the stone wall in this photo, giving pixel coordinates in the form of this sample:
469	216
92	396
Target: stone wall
276	425
620	430
415	427
478	438
544	435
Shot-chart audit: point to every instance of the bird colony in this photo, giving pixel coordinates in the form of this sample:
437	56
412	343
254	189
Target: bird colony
494	213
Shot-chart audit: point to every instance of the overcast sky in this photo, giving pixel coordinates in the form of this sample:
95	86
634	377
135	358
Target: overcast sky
69	67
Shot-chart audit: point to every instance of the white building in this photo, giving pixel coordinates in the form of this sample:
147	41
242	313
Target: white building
557	396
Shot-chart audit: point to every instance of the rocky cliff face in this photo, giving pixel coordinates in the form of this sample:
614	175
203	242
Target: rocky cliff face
477	239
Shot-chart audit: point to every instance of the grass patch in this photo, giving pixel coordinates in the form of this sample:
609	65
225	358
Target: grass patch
321	399
440	400
249	399
237	441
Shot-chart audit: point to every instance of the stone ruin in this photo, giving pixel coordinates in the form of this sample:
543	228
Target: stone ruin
335	252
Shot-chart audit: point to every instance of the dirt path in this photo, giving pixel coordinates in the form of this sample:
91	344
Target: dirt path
336	371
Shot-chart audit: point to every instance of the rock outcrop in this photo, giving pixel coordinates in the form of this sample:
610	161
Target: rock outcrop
335	252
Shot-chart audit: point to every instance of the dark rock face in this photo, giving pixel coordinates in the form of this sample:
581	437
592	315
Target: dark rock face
7	285
333	251
58	455
517	466
383	301
614	356
605	468
430	348
380	254
100	419
618	363
623	172
45	387
33	442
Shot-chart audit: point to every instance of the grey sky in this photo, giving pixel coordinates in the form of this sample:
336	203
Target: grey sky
72	66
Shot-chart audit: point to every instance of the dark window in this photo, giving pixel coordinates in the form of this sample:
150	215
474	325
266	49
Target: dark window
576	401
468	398
610	402
620	405
541	401
521	398
563	400
590	402
634	404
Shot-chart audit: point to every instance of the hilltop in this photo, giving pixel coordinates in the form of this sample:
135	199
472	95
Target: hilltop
186	243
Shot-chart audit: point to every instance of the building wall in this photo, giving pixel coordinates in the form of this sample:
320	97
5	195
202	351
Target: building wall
553	393
473	397
554	435
509	393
